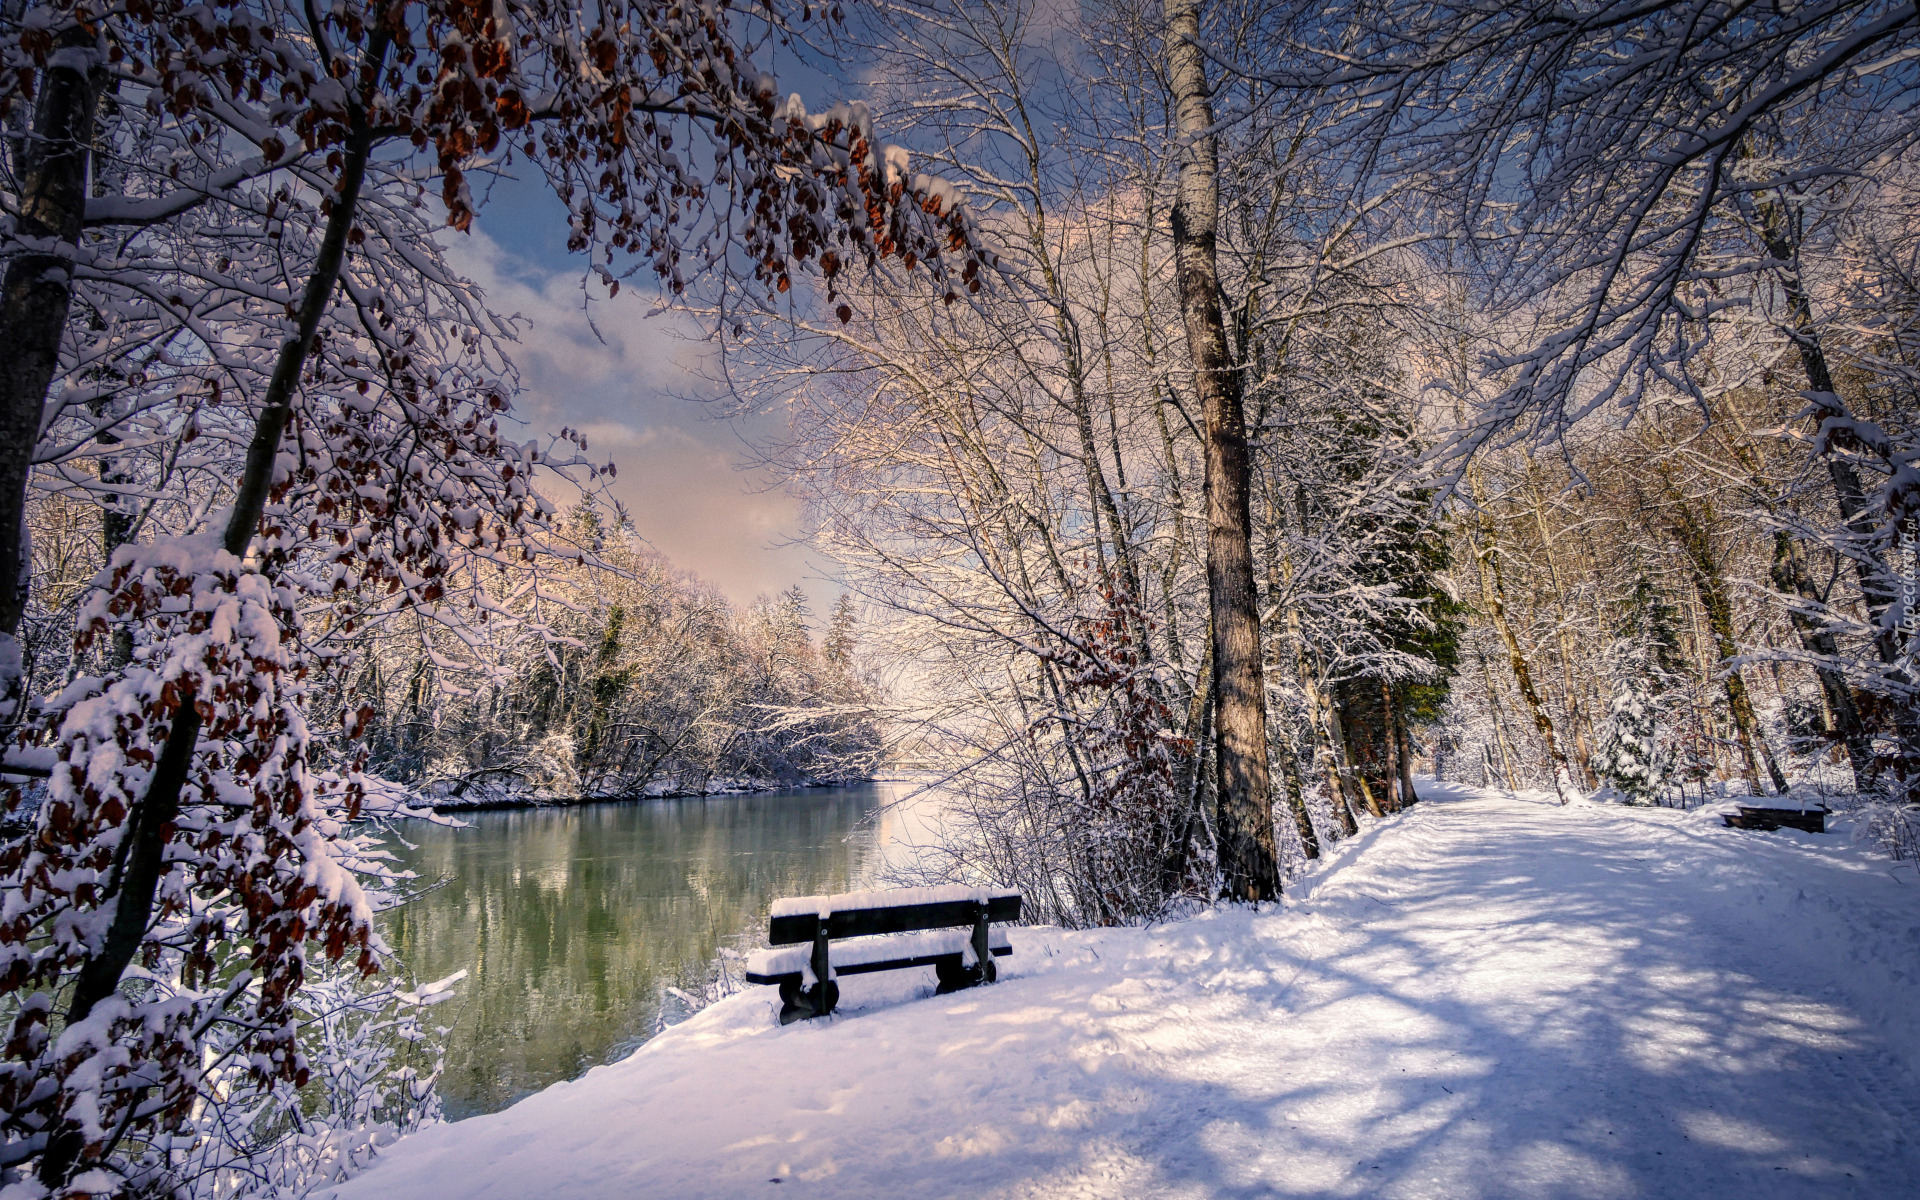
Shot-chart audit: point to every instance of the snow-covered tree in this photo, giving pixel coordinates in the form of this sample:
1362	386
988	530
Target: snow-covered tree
256	277
842	638
1634	754
1631	758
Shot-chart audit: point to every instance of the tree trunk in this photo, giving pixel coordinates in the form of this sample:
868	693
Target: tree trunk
1405	743
1320	710
1339	794
1289	758
1390	743
1849	495
1190	778
1499	727
151	822
1248	865
1576	720
116	527
1297	803
1491	591
1843	715
1696	540
1356	779
35	293
1196	795
1306	670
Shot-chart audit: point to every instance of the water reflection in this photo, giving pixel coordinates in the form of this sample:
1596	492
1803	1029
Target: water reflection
573	921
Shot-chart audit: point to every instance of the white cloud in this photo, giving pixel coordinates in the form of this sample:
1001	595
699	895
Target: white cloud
625	380
615	434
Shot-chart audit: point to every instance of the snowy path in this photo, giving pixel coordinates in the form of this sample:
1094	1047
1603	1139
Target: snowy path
1483	998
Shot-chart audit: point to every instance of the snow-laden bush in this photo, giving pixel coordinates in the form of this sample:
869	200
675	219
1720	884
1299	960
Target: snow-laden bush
377	1060
1892	826
1091	808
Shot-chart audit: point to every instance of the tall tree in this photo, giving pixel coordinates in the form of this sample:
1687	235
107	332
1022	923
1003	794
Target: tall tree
337	100
1248	866
50	171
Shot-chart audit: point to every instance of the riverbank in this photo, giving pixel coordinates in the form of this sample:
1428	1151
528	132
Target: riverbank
584	929
1486	997
491	797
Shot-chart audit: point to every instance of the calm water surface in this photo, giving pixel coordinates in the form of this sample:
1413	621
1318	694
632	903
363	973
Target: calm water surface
573	922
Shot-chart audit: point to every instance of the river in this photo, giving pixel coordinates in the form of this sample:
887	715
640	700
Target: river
573	923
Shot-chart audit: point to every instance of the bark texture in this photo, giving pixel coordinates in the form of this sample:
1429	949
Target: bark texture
1499	728
1692	531
1404	741
1790	576
1849	494
1248	865
37	290
1491	597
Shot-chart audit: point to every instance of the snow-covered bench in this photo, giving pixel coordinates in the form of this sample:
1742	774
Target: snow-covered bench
1813	820
947	928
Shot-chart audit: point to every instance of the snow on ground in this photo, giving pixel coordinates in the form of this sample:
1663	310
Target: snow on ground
1485	997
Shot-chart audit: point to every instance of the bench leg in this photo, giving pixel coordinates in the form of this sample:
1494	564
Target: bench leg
953	977
804	1004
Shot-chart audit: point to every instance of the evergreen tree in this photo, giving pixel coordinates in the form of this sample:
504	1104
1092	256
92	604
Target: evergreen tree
790	613
840	636
1632	758
1652	627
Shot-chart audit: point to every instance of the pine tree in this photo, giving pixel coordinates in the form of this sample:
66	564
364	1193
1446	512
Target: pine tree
1632	758
1653	627
840	636
790	613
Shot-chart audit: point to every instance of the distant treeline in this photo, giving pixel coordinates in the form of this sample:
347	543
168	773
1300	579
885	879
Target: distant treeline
648	682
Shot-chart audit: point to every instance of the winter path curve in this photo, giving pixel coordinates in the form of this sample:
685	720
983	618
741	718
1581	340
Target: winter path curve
1483	998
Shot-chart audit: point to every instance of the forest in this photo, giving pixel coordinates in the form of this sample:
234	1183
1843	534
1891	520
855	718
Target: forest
644	681
1216	413
1578	429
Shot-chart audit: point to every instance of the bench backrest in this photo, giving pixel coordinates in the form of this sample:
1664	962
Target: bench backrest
903	910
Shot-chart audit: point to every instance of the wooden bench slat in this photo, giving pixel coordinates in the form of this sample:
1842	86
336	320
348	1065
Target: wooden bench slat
908	918
892	964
